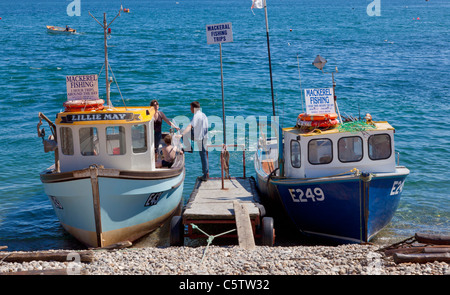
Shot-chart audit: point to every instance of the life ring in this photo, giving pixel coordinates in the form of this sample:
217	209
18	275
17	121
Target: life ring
83	105
318	123
317	117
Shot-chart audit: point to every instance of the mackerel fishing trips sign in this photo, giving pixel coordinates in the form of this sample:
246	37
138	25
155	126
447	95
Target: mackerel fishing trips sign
219	33
319	101
82	87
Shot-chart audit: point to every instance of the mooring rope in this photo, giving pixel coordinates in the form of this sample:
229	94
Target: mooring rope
210	238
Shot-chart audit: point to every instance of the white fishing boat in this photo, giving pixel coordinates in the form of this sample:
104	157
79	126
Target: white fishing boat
104	185
60	30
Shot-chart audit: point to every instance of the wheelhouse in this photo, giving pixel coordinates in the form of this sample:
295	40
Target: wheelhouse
332	152
119	139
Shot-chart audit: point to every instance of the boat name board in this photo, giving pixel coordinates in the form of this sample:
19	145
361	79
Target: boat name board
96	117
82	87
319	101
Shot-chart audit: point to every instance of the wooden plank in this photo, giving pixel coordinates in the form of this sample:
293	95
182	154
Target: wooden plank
61	256
421	258
244	226
433	239
57	272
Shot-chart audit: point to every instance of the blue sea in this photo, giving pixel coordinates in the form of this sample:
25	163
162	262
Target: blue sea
395	66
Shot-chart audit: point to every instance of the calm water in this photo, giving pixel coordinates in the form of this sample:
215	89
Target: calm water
394	66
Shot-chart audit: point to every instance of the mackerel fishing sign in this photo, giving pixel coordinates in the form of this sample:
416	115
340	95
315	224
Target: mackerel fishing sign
319	101
219	33
82	87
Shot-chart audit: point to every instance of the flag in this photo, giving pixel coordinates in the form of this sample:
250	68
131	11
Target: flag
257	4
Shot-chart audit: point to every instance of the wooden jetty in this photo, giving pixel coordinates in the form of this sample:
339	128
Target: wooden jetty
227	208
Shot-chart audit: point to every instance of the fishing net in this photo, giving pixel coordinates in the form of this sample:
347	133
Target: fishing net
355	126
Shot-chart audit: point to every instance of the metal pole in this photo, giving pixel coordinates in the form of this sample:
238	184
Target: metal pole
105	25
223	100
270	62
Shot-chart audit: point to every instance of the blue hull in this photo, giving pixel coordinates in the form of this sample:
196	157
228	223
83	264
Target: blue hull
128	208
345	208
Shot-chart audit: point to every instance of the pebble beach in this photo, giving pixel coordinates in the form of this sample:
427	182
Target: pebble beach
232	260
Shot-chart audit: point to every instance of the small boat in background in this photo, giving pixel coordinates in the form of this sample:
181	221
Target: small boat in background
60	30
127	10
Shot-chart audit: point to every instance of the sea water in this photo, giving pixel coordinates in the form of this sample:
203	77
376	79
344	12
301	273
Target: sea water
393	63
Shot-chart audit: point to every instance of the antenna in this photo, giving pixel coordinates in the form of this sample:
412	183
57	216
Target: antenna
105	27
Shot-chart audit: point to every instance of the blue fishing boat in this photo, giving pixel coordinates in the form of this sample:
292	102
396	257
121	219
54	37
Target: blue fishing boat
330	178
104	185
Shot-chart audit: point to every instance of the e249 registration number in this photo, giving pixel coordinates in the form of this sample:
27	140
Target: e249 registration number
309	195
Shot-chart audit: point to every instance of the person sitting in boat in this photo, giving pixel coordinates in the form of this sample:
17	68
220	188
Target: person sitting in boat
159	117
169	153
67	28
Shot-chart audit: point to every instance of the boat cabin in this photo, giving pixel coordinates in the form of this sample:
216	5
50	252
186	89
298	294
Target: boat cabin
119	138
331	152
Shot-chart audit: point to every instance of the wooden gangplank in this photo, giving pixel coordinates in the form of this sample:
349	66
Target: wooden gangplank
236	205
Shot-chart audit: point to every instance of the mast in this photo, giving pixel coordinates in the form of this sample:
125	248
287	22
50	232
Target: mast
106	62
268	52
105	27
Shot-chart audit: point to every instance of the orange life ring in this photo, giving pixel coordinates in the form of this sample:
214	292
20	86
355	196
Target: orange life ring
319	123
83	105
317	117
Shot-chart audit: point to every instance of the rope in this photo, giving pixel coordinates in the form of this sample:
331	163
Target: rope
210	238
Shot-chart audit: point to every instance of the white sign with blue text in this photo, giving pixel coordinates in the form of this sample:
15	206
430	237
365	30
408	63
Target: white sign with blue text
319	101
219	33
82	87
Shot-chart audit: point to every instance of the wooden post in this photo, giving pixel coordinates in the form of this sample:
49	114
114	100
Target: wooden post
96	202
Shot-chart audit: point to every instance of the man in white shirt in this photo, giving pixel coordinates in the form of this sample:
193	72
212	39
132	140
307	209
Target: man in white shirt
199	132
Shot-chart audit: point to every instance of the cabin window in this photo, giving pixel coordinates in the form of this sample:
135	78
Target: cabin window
320	151
139	137
295	154
115	140
379	146
350	149
89	141
66	138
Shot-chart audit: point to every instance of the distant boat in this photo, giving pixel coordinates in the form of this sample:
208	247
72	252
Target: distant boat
60	30
126	10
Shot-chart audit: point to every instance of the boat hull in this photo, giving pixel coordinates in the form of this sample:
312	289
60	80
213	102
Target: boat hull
124	207
350	209
59	30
